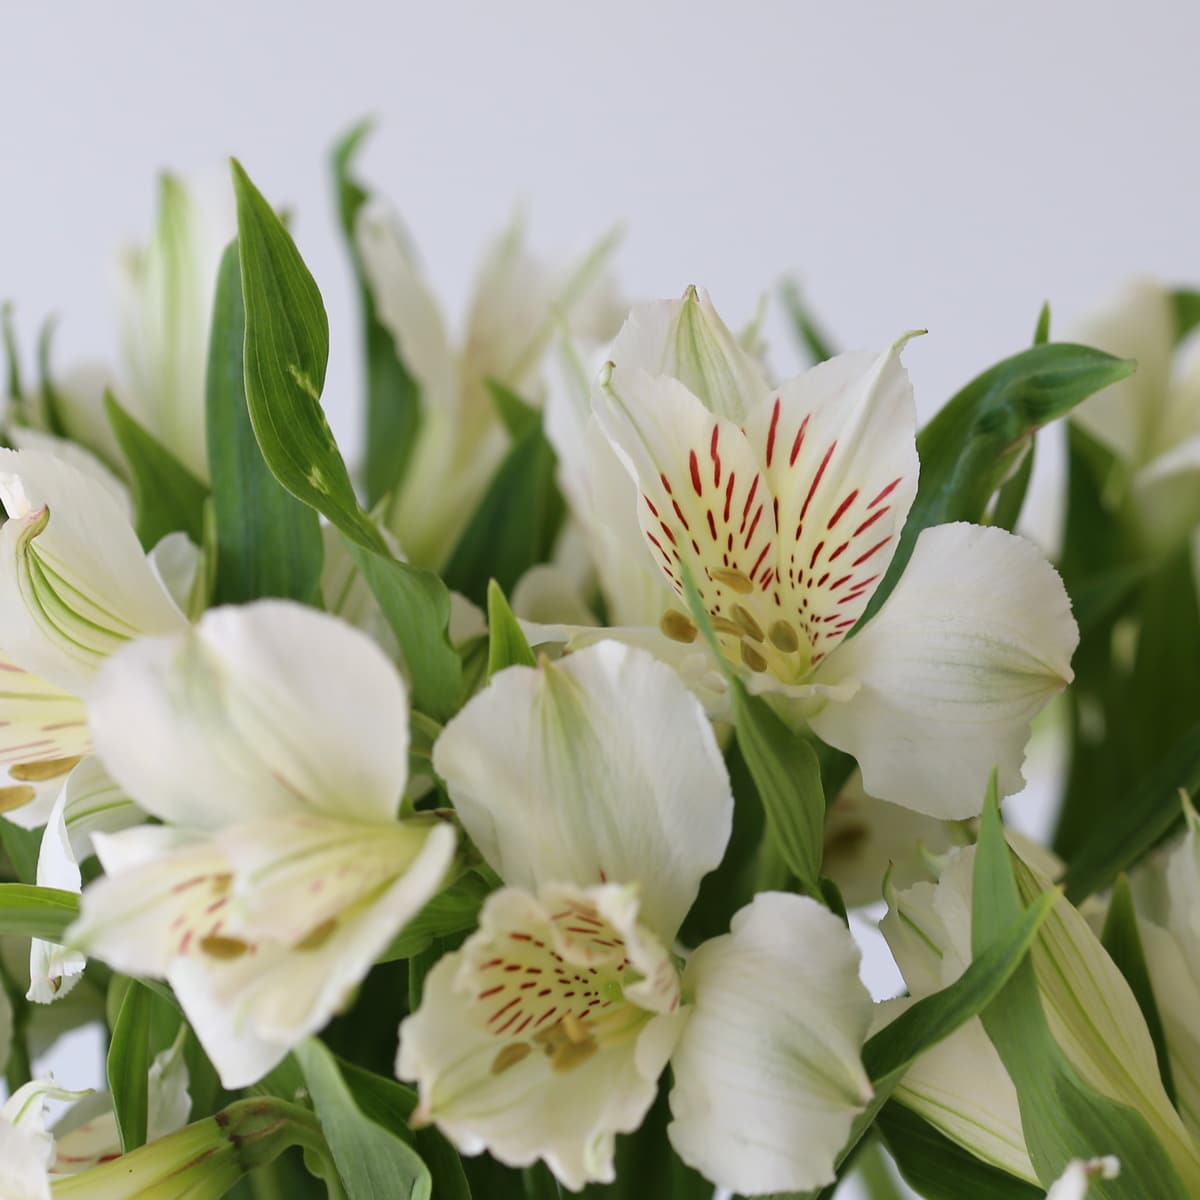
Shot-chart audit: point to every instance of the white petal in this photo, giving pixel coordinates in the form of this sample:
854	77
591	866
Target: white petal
476	1012
838	449
768	1073
264	708
404	305
547	595
26	1148
974	641
84	461
1075	1181
599	767
1140	324
53	969
179	566
687	340
43	733
93	803
167	1087
76	584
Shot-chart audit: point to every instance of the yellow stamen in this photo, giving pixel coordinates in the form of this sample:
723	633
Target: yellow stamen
783	636
316	938
677	627
752	658
15	797
570	1055
738	580
746	620
223	947
510	1056
725	625
575	1029
39	772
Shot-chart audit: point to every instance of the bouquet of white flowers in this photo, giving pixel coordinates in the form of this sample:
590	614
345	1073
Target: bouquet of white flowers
483	823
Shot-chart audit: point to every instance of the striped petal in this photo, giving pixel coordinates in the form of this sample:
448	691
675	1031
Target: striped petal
838	448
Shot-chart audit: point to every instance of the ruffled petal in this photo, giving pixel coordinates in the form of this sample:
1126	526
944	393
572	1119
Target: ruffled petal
974	641
262	709
598	767
768	1072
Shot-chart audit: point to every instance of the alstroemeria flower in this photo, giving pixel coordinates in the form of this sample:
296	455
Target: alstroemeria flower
517	306
786	506
75	585
961	1086
596	790
272	741
1150	421
26	1146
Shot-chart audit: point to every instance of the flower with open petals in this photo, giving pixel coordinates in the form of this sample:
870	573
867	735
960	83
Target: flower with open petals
594	787
786	505
272	741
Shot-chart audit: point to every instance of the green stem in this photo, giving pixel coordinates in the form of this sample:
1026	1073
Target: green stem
20	1066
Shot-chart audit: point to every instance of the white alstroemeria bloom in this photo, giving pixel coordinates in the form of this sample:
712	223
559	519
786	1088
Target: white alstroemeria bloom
165	299
517	307
1076	1181
961	1086
75	585
272	741
596	790
1170	930
1150	421
786	505
26	1146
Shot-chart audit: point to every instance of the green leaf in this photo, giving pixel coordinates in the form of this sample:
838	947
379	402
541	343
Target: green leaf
393	406
1149	813
518	416
1010	499
515	524
1041	331
373	1162
12	362
167	497
129	1059
36	912
970	447
1123	942
787	777
806	330
22	847
1061	1116
940	1169
268	543
1186	305
286	352
890	1052
390	1104
449	912
507	646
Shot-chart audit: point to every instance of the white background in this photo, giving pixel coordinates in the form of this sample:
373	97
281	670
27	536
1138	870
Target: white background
939	165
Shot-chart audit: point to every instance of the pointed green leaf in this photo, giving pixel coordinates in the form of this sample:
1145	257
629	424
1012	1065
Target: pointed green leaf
268	543
41	912
286	352
518	416
970	447
450	912
507	645
373	1162
515	524
129	1059
1062	1117
167	497
393	406
1123	942
1186	303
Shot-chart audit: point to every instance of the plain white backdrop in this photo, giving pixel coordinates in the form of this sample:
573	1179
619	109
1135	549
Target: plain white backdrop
937	165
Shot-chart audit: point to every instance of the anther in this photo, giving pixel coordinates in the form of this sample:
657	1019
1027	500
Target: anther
15	797
752	658
575	1029
39	772
738	580
783	637
223	947
724	625
746	620
317	937
570	1055
510	1056
677	627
